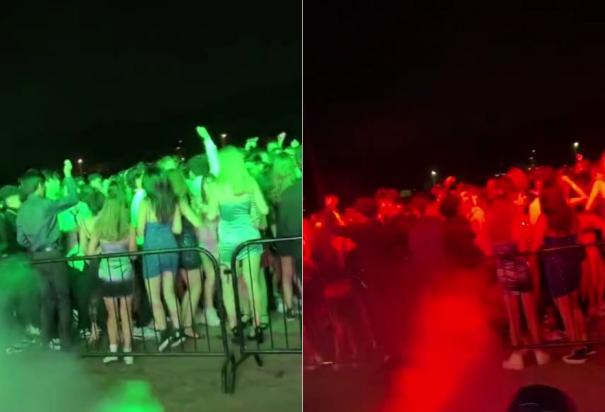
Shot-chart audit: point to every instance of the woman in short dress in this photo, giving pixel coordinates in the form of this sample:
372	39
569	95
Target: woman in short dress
232	198
505	241
159	222
557	228
113	234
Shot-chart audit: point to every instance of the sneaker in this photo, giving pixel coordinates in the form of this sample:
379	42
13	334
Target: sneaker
279	304
165	340
211	317
178	338
290	316
54	344
514	362
32	330
590	350
110	359
542	358
576	357
128	359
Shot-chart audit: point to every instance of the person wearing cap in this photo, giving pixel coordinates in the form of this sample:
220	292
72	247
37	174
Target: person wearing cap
38	231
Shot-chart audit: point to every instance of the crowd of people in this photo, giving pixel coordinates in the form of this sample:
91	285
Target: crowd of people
533	234
215	200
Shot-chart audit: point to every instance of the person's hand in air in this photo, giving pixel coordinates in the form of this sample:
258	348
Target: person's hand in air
67	168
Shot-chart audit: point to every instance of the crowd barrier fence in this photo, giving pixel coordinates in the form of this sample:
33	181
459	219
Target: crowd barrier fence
285	332
212	341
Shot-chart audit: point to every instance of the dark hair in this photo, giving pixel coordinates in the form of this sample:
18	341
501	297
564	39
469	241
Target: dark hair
94	176
136	172
160	194
198	165
50	174
554	206
541	398
93	199
449	205
31	180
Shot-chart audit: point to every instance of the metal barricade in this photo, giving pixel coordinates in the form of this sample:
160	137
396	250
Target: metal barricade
281	332
211	341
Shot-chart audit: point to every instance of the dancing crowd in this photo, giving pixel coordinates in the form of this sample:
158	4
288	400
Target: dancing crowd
215	200
533	234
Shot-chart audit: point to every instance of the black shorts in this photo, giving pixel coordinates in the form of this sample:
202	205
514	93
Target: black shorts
116	289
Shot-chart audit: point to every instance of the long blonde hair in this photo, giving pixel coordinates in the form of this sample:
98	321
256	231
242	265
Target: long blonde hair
233	171
113	221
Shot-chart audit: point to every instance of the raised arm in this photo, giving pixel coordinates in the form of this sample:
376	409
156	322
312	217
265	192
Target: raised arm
211	150
580	196
596	192
71	199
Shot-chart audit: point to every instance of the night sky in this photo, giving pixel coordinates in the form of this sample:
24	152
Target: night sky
116	86
391	92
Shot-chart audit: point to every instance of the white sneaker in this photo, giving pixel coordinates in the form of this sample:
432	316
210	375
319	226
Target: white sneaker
279	303
110	359
54	344
514	362
128	360
32	330
212	317
542	358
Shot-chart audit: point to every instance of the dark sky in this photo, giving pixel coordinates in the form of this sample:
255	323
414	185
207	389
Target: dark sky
393	91
128	83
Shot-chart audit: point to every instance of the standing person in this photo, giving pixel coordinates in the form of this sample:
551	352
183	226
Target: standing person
289	224
38	231
557	227
159	221
190	260
114	234
505	241
232	198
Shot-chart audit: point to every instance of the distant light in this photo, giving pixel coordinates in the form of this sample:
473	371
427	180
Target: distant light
224	135
576	145
178	148
433	173
182	159
533	150
80	161
180	141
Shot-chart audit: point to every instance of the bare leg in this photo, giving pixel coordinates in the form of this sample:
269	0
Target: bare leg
287	273
228	298
209	283
566	310
191	300
125	319
512	308
112	322
251	271
154	290
170	299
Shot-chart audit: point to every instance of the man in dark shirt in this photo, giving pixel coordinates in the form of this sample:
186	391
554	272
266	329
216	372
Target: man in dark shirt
38	231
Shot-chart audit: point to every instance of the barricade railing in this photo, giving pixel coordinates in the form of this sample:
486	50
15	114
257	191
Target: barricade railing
544	252
118	277
257	331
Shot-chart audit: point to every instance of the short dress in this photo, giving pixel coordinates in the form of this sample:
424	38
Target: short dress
189	259
115	274
236	227
562	268
159	236
512	269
